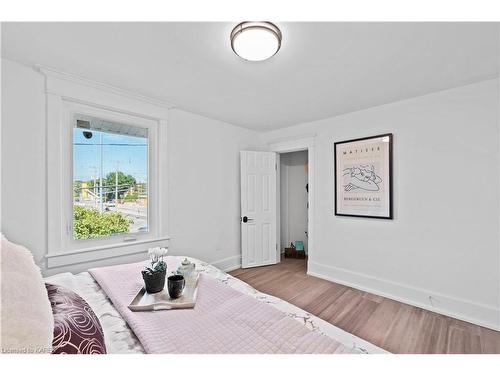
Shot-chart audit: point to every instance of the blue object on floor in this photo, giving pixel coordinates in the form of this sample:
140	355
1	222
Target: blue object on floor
299	245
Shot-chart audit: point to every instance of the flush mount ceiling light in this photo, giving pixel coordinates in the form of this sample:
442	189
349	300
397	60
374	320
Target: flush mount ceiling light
256	41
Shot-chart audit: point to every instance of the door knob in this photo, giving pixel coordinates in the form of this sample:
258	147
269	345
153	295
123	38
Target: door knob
246	219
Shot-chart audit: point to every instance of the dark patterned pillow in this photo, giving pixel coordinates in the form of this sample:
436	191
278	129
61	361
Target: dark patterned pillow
76	328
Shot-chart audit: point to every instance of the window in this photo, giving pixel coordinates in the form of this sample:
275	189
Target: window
106	172
110	178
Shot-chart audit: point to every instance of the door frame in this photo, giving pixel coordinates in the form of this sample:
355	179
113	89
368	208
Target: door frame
292	145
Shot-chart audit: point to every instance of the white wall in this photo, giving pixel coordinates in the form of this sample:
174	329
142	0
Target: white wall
23	158
444	240
203	177
293	197
204	187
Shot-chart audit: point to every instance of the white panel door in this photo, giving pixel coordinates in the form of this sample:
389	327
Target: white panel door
258	208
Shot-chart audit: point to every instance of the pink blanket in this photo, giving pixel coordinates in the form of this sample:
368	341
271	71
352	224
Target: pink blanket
224	320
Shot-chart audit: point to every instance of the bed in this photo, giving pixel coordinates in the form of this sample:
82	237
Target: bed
120	338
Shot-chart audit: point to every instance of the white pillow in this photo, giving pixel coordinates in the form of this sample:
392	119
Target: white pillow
27	324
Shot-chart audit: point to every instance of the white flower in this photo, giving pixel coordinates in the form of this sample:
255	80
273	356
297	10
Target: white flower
152	250
157	252
162	251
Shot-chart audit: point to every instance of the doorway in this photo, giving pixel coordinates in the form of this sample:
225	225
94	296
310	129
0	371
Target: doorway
291	145
260	219
294	204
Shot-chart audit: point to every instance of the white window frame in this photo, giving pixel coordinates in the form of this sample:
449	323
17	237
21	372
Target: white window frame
66	96
71	109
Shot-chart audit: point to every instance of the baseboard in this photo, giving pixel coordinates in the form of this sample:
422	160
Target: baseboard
228	264
483	315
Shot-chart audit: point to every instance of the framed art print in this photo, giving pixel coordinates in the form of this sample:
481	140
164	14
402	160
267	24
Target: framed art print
363	177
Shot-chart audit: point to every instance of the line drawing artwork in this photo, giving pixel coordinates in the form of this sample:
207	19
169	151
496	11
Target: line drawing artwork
361	177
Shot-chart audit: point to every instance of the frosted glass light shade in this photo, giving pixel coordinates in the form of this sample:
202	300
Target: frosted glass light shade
256	41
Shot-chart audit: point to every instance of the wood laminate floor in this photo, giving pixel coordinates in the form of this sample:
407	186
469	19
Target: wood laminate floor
392	325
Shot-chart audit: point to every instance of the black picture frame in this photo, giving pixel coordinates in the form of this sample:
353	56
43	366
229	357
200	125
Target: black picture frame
390	184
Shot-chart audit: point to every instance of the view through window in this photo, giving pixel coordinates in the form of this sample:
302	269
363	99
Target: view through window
110	178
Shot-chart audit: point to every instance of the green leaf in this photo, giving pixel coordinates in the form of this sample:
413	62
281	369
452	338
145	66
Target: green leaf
90	223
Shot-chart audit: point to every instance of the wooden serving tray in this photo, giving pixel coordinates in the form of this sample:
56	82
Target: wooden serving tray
144	301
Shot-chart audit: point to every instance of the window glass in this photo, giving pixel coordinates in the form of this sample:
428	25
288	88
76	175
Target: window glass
110	178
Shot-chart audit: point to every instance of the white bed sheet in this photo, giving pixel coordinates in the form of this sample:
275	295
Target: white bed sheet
120	338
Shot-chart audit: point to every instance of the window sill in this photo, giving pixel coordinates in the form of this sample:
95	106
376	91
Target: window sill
92	254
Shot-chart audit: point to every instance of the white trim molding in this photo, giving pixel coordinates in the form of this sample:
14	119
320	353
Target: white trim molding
103	252
102	87
306	142
292	144
472	312
66	93
228	264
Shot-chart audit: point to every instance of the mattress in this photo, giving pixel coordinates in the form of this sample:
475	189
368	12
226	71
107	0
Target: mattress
120	338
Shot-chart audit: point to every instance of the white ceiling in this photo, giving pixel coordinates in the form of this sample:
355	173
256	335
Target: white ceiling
322	69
